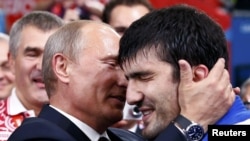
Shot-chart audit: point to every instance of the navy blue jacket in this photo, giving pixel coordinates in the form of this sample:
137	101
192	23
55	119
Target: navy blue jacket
51	125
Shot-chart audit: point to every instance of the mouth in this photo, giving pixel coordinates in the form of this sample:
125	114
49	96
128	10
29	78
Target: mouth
39	82
147	113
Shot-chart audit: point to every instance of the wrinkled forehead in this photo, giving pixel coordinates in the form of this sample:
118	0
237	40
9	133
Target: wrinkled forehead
4	48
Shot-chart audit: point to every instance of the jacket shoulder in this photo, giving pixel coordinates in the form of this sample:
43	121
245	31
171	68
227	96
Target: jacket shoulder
38	129
126	135
170	133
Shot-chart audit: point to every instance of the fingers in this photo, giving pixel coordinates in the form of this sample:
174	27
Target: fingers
185	72
216	71
213	95
219	78
231	96
236	90
228	93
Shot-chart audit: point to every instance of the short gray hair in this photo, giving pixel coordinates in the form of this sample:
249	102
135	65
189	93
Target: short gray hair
69	41
42	20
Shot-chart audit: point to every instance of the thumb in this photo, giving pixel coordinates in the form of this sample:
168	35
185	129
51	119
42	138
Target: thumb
186	76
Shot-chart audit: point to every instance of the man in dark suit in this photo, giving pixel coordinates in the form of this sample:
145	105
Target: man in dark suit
51	125
85	85
87	89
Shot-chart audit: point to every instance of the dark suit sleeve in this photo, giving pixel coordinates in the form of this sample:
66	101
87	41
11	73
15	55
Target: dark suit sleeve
38	129
170	133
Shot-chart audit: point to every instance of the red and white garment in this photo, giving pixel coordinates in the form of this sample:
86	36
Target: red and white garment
12	113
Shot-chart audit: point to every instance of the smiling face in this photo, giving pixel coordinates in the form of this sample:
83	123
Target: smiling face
6	76
97	85
27	67
152	88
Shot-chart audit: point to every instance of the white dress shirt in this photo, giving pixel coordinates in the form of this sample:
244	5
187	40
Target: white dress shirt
90	132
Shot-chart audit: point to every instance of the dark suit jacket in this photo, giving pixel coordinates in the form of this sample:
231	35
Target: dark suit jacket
51	125
170	133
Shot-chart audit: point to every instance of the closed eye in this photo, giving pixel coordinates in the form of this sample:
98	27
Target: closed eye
141	76
32	52
145	77
112	63
5	66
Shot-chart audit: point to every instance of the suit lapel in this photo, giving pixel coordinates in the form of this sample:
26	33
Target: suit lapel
112	136
55	117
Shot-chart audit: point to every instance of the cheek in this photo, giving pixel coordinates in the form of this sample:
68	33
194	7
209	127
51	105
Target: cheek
23	66
108	76
23	71
10	76
167	106
168	97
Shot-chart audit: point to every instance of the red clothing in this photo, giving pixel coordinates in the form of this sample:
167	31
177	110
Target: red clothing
12	113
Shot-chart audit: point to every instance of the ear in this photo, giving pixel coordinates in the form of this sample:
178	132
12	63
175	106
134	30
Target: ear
200	72
11	61
60	65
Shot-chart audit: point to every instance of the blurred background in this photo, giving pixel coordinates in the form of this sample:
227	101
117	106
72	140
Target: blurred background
232	15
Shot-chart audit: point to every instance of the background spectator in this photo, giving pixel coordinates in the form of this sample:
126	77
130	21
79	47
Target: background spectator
245	93
6	76
28	36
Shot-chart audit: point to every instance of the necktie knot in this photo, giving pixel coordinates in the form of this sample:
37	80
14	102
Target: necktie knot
103	139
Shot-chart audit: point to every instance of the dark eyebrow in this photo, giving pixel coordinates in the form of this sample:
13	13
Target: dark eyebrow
36	49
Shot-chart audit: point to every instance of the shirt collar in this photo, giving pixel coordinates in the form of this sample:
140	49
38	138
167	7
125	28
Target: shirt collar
15	106
90	132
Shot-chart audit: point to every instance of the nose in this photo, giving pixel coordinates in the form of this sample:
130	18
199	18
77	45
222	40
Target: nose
122	81
1	73
134	96
39	62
